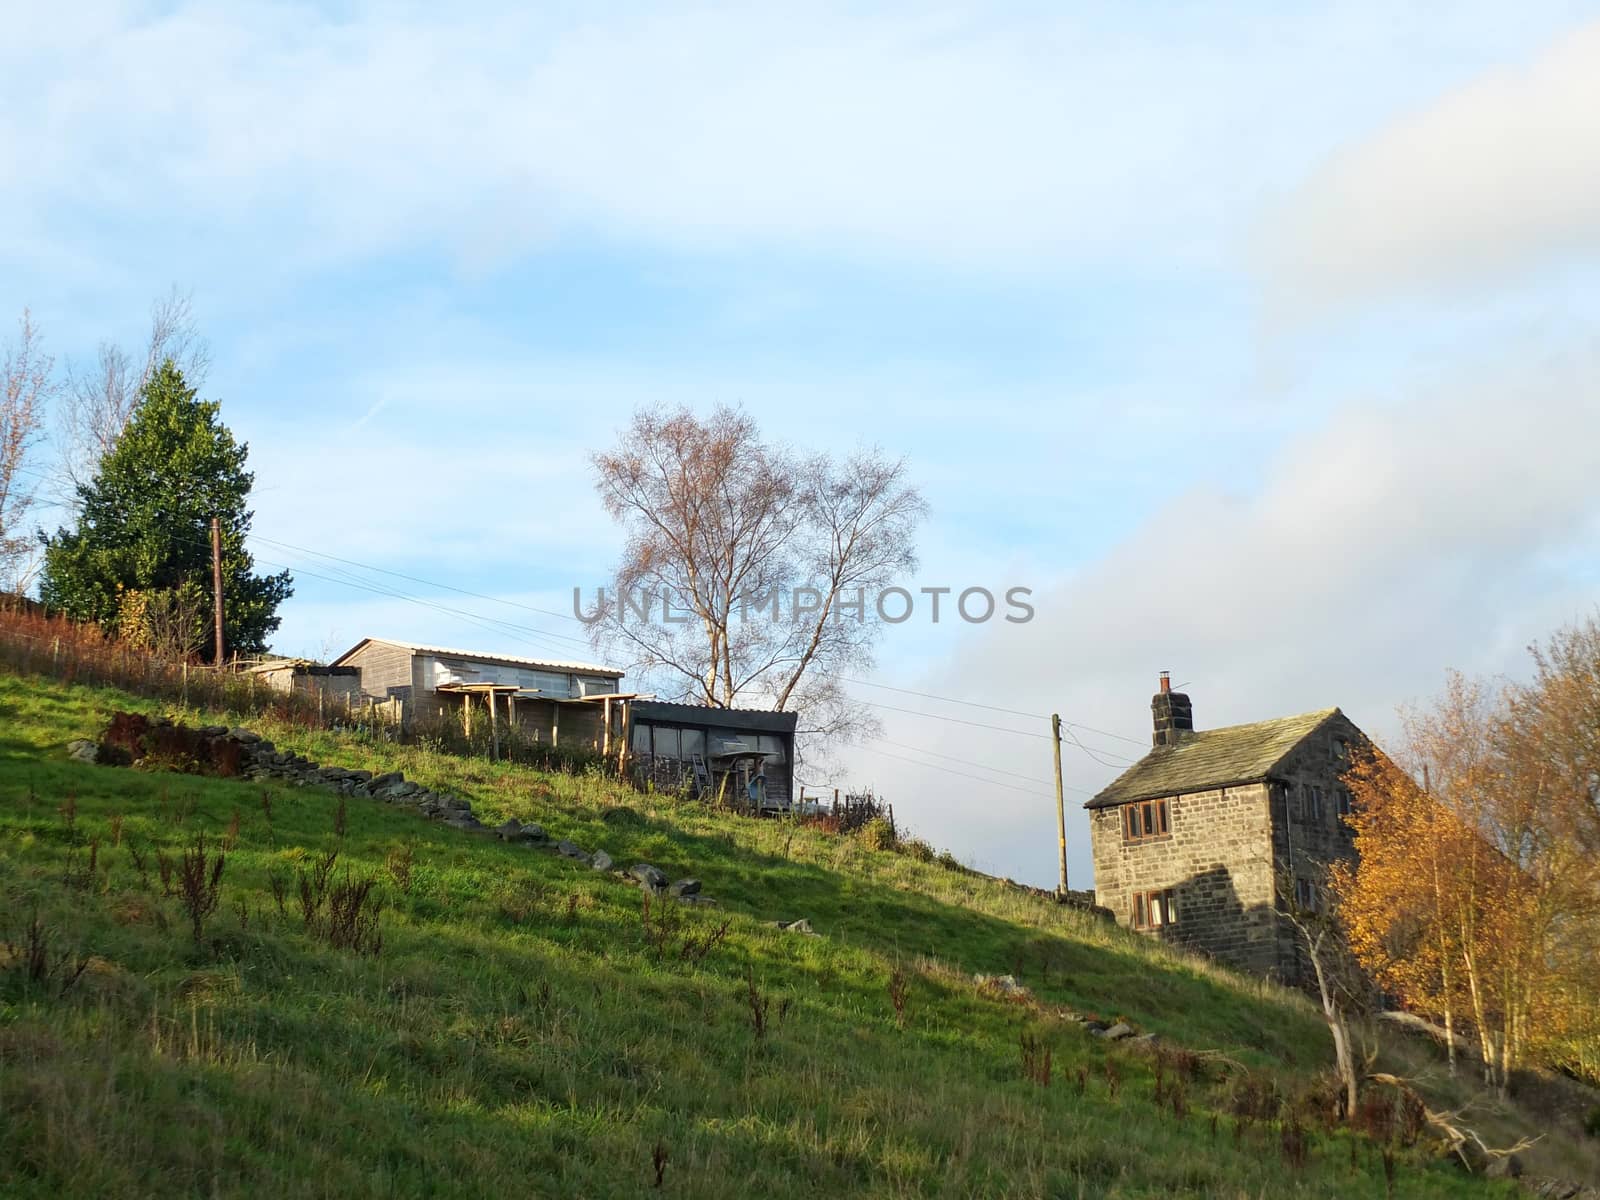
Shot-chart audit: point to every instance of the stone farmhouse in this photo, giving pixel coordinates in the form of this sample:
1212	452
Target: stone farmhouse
1199	840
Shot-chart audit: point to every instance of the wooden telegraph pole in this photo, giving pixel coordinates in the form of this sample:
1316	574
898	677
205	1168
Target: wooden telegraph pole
1061	807
216	580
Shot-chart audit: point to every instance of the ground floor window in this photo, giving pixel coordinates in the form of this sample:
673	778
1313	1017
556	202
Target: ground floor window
1305	895
1152	910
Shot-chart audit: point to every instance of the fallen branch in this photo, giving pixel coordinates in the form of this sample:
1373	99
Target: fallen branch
1448	1123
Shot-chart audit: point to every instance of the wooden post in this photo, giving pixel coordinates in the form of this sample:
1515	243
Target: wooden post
466	708
494	729
216	581
555	723
1061	808
605	731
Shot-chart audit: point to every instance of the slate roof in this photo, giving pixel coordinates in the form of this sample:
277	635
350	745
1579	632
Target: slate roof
1212	758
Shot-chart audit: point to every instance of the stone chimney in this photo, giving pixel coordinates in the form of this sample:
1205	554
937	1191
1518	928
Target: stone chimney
1171	712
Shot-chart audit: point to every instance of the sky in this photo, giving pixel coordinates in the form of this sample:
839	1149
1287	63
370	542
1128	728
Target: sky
1257	342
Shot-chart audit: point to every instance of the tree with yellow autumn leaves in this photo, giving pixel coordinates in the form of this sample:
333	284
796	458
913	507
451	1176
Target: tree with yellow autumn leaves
1475	898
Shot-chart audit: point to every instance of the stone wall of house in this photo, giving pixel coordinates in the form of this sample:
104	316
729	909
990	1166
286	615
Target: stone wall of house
1216	859
1308	831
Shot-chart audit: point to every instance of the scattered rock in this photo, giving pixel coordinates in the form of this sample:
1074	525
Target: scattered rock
1004	985
800	926
534	832
685	887
600	861
510	831
1508	1166
1119	1031
652	877
83	750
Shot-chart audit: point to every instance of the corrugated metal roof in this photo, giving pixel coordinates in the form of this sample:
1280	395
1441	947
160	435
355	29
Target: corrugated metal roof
754	719
549	664
1212	758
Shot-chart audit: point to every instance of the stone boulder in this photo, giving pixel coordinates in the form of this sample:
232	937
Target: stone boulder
600	861
652	877
83	750
1506	1166
800	926
1003	985
509	831
1119	1031
685	887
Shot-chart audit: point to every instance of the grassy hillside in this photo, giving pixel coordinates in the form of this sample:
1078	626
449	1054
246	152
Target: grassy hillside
524	1030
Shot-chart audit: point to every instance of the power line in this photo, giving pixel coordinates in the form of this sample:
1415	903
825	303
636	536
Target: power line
427	582
976	778
991	707
966	762
956	720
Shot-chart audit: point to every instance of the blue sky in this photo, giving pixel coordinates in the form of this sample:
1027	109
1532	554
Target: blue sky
1257	342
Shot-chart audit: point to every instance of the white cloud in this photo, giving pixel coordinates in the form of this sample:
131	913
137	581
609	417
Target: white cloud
1494	178
970	136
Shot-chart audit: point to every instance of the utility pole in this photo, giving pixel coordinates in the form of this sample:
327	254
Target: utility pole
1061	807
216	580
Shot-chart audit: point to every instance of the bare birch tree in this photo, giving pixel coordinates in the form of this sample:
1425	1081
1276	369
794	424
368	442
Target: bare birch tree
28	377
100	398
750	573
1341	986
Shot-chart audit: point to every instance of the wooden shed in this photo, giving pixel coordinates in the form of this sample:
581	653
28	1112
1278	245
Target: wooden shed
546	698
713	749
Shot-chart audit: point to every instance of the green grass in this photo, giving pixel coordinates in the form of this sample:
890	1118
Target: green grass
518	1035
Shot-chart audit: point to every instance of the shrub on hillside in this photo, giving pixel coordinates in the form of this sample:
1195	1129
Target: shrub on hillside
877	834
917	849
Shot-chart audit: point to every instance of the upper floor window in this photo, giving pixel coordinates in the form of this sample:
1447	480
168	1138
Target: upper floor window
1310	803
1152	910
1145	820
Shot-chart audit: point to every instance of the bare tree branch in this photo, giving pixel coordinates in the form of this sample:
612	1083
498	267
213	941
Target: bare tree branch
726	526
28	379
100	398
